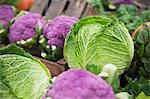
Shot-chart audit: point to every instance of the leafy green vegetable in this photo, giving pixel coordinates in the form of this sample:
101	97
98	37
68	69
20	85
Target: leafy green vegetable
97	41
22	76
11	2
139	72
137	86
142	44
146	15
142	96
98	5
132	18
127	10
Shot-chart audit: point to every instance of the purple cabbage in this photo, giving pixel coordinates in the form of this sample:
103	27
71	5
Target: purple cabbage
24	27
123	1
79	84
57	29
6	14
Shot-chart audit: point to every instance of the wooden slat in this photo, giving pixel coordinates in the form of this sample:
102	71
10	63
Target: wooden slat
62	62
86	10
53	67
142	3
1	45
89	11
39	6
75	8
56	7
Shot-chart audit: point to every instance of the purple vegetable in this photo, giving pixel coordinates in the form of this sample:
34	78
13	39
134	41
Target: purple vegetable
79	84
6	14
57	29
24	27
123	1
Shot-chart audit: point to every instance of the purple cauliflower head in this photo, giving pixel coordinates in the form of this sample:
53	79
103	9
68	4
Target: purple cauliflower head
24	27
79	84
6	14
123	1
57	29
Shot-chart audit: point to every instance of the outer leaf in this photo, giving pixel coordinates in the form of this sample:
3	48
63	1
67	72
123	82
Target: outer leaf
97	41
136	87
142	96
143	37
22	76
140	51
147	49
146	62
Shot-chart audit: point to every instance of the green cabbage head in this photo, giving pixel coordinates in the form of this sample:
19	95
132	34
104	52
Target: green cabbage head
21	75
96	41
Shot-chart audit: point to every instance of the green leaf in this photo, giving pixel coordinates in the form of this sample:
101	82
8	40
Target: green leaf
116	84
145	15
146	62
98	41
5	92
147	49
98	5
127	9
11	2
136	87
22	76
140	51
2	1
142	96
93	68
1	26
143	36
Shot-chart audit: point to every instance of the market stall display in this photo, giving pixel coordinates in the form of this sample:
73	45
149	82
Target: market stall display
55	50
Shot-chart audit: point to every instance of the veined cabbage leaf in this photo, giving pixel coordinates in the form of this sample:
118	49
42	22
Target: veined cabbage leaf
21	75
96	41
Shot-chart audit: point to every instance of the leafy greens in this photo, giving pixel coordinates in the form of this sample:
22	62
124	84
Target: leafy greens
96	41
21	75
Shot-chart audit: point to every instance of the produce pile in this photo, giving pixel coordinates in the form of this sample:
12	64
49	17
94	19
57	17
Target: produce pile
107	56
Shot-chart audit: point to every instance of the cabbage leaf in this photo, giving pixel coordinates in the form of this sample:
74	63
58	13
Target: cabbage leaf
21	75
96	41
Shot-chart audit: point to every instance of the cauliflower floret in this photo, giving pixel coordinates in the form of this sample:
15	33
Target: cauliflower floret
24	27
6	14
57	29
79	84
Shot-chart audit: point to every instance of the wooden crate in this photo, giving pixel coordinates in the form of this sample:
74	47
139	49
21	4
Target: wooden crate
53	8
142	3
